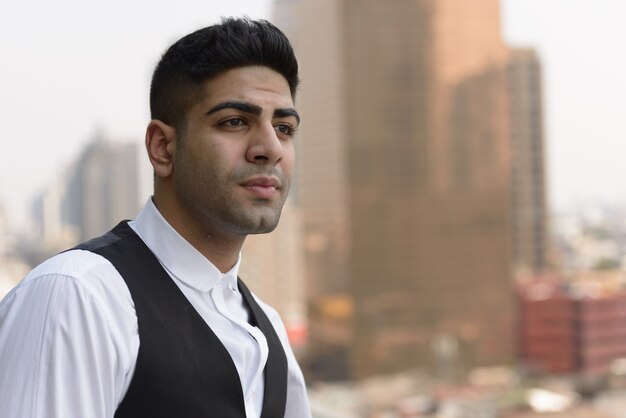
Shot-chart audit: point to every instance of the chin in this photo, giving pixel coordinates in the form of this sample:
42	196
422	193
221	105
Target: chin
264	227
264	230
264	224
255	221
253	226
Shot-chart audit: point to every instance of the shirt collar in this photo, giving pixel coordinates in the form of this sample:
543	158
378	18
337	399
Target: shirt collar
181	260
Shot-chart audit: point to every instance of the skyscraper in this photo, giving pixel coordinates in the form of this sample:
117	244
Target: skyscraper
405	183
102	188
530	230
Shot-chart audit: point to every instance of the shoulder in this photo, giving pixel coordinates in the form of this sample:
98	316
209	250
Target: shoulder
71	319
80	269
74	281
72	263
69	299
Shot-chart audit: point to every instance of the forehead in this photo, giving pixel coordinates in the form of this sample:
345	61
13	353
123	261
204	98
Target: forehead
258	85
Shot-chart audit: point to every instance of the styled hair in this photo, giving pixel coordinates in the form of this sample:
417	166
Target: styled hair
208	52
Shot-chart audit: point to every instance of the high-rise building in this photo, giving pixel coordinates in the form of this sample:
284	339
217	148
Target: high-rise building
90	197
404	160
103	187
529	226
54	232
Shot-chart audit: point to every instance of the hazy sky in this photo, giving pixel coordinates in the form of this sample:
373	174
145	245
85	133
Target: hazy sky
68	68
580	43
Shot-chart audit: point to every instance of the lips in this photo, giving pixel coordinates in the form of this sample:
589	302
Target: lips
262	187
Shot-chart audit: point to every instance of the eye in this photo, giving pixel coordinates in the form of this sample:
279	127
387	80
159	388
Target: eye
285	129
233	122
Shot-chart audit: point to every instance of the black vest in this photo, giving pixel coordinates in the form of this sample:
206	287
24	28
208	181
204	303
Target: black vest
183	369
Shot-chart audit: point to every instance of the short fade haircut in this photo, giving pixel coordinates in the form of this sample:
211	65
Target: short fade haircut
211	51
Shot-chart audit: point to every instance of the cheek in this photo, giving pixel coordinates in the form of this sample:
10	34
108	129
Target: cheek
289	159
226	152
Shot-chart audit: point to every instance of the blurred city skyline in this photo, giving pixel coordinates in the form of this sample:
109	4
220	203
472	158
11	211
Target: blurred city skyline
70	70
419	222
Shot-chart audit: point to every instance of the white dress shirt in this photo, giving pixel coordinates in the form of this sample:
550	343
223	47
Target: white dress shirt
68	331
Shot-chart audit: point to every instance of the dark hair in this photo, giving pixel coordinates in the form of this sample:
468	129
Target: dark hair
208	52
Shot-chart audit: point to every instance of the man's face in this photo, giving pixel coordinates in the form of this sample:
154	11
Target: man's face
234	157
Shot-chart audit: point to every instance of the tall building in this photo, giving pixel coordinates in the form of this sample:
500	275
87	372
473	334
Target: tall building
529	226
90	197
55	233
404	160
103	187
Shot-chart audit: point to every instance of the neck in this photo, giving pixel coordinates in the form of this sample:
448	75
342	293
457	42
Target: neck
219	247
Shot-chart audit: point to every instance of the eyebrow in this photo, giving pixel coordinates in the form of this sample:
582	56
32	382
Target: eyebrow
287	112
254	109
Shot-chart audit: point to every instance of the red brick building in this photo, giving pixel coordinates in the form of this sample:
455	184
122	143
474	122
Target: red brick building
566	332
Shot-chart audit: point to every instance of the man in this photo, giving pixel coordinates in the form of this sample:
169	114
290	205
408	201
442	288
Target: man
150	320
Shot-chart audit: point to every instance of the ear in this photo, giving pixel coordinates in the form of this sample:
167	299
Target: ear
161	146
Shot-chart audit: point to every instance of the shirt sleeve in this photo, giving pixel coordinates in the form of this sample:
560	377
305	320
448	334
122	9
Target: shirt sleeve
62	353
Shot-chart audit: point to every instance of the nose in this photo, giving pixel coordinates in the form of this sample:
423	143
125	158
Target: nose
265	146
